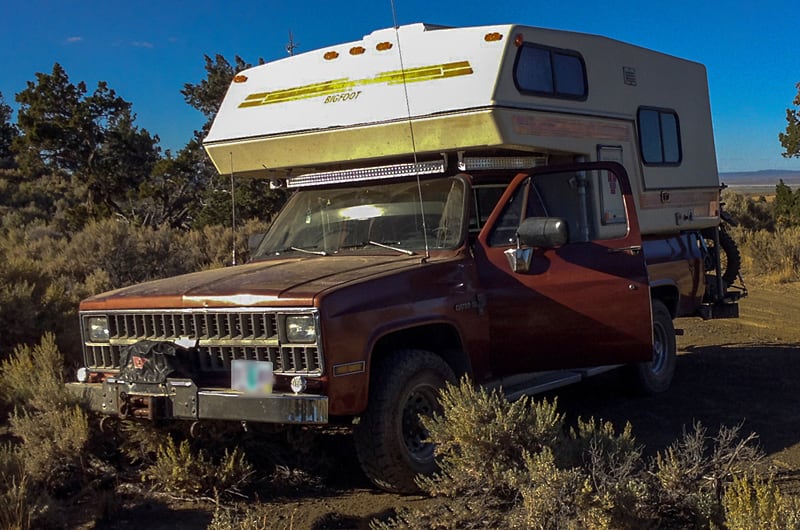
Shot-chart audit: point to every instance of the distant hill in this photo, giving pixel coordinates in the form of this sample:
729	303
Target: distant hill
765	177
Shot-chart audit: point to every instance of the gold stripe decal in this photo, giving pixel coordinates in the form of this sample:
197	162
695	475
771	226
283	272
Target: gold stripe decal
336	86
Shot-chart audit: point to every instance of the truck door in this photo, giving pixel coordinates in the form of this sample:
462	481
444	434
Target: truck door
583	303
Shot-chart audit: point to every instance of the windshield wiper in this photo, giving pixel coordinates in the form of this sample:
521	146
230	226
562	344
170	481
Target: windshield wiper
396	249
304	251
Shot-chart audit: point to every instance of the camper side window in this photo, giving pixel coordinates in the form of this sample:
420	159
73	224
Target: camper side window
550	72
659	136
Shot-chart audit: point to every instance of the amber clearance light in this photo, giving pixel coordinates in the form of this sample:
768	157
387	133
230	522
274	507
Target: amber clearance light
383	46
357	50
493	37
239	78
329	56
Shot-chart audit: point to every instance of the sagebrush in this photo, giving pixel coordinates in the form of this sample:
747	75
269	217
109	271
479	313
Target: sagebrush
517	465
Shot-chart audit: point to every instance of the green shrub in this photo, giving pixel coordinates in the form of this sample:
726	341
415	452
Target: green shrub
53	429
755	503
32	377
481	435
44	274
773	255
16	499
513	465
53	446
183	470
748	213
691	474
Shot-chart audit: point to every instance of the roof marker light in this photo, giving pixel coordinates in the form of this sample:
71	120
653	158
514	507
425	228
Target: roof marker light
357	50
383	46
329	56
493	37
239	78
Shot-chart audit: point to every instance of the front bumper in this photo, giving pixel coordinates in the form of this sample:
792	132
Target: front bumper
182	399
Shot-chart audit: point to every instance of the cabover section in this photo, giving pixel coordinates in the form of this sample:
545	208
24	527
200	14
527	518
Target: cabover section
423	91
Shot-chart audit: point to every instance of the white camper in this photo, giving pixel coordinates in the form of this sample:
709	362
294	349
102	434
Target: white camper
422	92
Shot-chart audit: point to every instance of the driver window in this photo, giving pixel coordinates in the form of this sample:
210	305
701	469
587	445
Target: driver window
526	202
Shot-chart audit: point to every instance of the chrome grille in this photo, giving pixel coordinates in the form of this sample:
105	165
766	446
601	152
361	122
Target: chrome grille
222	336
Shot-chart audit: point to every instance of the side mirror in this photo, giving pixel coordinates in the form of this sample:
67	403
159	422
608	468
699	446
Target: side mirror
543	232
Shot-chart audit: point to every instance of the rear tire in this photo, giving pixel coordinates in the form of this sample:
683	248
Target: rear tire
390	440
655	376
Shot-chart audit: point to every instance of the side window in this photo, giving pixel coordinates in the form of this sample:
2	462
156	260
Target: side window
526	202
504	231
659	136
485	198
546	71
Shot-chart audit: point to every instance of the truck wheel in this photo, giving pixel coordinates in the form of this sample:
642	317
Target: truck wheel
731	259
390	440
656	376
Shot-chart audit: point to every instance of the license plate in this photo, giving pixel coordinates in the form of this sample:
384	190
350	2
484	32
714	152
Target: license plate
252	377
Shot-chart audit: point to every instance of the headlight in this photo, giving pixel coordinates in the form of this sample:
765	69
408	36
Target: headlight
301	328
97	328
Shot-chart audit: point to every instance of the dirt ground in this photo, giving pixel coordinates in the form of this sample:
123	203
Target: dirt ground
738	371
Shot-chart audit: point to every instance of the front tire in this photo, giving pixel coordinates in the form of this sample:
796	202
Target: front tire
390	440
655	376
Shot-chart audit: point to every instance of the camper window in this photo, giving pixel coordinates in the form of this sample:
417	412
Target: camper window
550	72
659	136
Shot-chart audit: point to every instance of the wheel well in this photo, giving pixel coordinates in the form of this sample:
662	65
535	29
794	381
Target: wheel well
441	339
668	294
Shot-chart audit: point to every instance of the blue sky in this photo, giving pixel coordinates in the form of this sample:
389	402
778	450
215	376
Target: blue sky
146	50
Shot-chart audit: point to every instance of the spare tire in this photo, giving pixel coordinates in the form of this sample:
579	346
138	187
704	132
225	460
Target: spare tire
731	259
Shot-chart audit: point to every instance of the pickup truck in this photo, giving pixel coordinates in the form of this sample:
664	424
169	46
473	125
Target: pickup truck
526	240
367	299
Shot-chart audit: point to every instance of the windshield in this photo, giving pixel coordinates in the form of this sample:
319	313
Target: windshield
385	217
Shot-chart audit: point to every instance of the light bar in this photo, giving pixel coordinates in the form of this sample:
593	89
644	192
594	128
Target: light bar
481	163
431	167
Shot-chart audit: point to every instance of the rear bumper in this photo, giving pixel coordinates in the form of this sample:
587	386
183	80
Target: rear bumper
182	399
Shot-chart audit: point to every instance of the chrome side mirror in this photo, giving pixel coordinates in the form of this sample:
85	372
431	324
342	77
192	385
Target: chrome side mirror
536	232
543	232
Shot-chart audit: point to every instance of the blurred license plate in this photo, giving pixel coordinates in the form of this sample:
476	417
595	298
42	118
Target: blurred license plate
252	377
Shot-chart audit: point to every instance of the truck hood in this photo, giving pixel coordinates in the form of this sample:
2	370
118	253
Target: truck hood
279	281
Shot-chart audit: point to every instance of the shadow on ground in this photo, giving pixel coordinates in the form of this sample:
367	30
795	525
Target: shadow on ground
752	385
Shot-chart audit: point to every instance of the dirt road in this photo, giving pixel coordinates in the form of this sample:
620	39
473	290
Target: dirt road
739	371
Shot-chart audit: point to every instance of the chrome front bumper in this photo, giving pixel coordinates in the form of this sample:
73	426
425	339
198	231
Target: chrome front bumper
182	399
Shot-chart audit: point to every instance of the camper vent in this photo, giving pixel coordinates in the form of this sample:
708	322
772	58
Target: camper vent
629	75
